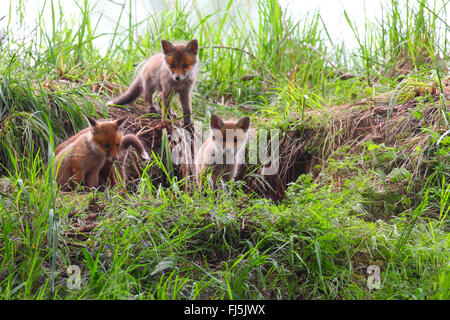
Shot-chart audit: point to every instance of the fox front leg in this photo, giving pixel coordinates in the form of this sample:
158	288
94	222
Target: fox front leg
92	179
186	104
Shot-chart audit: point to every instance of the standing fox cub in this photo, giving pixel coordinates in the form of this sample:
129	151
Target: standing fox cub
223	150
172	71
87	158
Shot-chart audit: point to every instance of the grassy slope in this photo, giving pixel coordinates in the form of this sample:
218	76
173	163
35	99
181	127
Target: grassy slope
164	243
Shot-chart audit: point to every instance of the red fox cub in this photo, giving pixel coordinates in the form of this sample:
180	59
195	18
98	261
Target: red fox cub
172	71
80	161
222	151
107	175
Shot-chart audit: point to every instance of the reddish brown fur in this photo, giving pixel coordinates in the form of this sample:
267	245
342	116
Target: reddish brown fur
80	161
107	136
71	139
107	175
179	61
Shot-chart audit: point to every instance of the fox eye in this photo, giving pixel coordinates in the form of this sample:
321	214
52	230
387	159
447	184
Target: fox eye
106	146
117	145
185	66
172	65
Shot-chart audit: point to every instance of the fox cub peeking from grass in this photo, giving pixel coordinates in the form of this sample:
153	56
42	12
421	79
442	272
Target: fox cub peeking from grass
172	71
87	158
223	150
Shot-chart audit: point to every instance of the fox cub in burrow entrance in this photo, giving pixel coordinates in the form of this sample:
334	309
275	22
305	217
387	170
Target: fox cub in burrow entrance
172	71
107	176
222	152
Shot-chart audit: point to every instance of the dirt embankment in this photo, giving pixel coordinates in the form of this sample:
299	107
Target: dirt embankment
396	119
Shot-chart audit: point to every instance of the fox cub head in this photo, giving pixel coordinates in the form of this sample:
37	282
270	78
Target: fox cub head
180	58
229	135
107	136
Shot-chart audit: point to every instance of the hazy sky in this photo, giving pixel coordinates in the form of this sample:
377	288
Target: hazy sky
332	12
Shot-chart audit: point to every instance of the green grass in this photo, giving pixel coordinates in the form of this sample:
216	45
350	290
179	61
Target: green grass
374	205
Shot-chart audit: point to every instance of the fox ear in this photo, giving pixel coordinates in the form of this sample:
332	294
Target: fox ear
166	46
216	122
92	123
192	46
120	121
244	123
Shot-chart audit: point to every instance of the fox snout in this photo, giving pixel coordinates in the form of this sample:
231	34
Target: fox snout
178	76
112	154
111	158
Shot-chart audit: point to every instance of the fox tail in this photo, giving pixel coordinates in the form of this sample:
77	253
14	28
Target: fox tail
132	140
130	95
